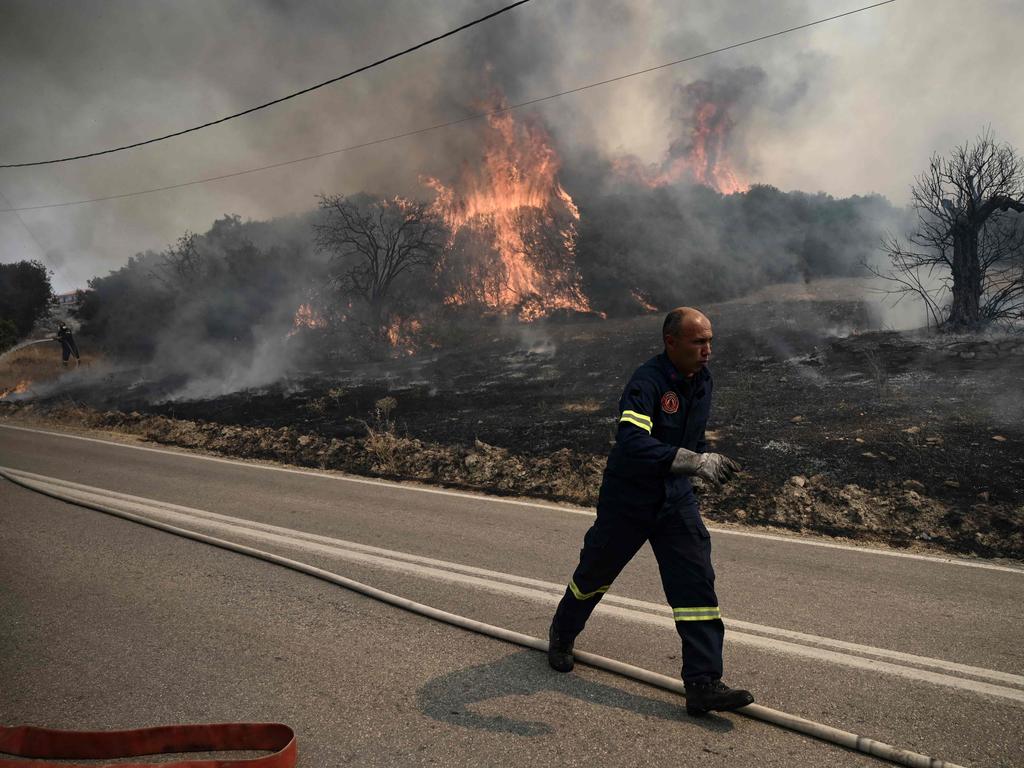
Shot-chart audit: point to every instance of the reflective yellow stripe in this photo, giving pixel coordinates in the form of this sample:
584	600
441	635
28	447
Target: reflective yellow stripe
633	421
586	595
639	416
704	613
702	609
638	419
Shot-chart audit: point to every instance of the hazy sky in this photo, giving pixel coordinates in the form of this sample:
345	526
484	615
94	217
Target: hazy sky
851	107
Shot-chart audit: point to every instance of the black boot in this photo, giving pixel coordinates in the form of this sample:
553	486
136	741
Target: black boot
702	698
559	651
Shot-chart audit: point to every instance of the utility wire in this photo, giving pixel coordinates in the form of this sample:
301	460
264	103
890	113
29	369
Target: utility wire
468	118
9	209
363	68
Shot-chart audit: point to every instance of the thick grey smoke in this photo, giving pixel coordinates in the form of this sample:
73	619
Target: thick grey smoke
852	107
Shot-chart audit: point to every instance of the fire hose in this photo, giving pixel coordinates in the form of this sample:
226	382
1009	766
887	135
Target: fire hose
49	744
24	344
63	490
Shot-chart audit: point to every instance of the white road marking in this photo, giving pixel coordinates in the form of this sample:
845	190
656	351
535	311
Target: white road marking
771	639
479	497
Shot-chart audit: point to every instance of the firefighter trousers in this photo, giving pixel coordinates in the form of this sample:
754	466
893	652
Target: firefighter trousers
682	546
67	349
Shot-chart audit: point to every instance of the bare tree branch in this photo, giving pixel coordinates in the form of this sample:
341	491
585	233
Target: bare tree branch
966	235
374	242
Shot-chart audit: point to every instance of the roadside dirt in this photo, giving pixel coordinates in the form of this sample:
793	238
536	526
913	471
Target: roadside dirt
884	437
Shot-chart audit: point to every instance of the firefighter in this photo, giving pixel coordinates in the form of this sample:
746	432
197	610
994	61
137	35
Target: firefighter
647	495
67	345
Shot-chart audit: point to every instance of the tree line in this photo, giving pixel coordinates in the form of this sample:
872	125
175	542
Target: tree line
364	264
25	295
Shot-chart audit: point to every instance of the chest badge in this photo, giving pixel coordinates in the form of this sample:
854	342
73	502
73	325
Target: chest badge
670	402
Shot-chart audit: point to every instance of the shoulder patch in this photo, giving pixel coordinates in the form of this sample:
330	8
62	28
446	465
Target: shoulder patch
670	402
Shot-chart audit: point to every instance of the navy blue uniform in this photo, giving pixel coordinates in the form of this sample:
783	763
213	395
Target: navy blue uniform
67	344
641	500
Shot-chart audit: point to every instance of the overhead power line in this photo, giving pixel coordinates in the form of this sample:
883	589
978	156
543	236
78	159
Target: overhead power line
42	251
258	107
438	126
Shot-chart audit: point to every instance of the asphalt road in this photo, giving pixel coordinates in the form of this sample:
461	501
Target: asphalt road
107	623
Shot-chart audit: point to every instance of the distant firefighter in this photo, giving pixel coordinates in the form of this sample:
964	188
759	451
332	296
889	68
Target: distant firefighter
67	345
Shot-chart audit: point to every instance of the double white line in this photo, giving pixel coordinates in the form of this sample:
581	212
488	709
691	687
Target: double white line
772	639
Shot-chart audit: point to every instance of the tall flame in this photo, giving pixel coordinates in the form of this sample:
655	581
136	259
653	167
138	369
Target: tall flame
514	227
701	153
706	160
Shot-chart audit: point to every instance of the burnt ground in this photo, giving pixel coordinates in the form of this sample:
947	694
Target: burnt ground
901	438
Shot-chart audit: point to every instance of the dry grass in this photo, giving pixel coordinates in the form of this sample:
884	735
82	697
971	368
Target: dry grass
584	406
384	450
578	478
33	365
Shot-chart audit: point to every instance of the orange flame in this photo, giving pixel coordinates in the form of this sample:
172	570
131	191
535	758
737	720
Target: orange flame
401	335
306	317
702	159
20	388
514	207
707	162
643	302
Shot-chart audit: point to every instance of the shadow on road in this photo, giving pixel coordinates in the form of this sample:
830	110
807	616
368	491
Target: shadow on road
448	698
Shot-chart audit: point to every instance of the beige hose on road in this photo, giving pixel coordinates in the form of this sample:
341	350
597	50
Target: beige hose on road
54	489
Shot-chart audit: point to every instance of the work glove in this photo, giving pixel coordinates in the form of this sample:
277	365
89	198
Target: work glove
712	467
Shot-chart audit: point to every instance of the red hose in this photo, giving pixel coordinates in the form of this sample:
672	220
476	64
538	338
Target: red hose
47	744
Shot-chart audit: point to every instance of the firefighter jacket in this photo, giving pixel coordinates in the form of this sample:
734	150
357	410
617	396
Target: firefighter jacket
660	411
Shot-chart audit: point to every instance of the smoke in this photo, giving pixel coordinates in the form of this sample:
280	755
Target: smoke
706	147
221	307
270	359
897	311
676	244
215	310
645	160
80	76
620	235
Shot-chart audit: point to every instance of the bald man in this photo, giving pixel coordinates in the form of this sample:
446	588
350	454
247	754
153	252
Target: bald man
647	495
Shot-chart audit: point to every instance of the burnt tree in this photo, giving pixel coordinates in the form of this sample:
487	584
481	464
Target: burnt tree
969	233
373	243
